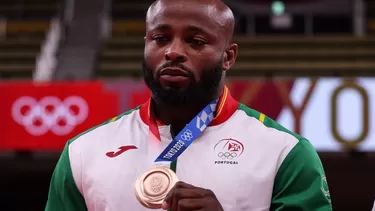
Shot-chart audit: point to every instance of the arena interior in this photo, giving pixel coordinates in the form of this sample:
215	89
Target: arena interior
309	64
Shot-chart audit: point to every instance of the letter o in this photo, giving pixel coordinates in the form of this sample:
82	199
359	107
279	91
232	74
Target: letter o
347	143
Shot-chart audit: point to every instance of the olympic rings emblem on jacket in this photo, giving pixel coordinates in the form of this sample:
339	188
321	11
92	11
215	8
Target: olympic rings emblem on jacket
228	155
48	118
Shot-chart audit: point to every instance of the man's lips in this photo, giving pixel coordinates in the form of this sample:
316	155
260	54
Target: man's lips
169	71
174	76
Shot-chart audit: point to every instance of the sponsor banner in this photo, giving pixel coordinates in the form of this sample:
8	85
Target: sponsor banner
333	113
45	116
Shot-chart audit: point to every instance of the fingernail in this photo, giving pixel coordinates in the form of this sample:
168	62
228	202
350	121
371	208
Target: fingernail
164	206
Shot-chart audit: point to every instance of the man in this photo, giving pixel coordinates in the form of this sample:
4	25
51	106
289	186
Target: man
224	155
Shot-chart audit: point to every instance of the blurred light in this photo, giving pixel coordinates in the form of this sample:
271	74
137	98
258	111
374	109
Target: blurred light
278	7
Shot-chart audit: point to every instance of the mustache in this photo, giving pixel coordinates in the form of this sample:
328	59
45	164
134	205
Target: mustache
175	64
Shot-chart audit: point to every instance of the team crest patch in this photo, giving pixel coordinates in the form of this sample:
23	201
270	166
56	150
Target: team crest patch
325	189
227	151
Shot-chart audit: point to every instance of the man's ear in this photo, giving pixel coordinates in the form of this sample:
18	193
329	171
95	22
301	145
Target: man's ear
230	56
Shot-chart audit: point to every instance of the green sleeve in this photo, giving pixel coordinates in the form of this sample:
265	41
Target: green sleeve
63	193
300	183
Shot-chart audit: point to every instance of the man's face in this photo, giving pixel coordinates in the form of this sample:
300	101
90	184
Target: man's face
183	57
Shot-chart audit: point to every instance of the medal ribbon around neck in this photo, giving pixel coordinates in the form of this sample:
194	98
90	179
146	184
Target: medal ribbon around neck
186	136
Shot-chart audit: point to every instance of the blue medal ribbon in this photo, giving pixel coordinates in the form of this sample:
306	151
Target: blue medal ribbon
189	134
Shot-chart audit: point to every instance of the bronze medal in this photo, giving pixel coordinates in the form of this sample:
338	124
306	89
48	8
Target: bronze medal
153	185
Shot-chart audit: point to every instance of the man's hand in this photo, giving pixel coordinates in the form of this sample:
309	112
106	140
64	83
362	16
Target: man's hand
186	197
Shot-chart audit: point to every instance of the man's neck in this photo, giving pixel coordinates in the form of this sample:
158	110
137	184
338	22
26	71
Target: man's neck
176	116
179	116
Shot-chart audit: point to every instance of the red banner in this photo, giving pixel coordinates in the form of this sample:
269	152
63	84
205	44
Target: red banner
44	116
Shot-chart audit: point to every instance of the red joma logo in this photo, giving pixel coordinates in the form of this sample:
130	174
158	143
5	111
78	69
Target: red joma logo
121	150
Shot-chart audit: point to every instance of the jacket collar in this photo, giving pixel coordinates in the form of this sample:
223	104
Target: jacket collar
226	106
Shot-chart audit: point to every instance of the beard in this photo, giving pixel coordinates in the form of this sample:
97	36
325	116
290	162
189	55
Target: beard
199	92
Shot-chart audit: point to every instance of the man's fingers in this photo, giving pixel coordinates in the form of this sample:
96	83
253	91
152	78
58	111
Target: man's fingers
178	185
183	193
189	204
186	197
179	191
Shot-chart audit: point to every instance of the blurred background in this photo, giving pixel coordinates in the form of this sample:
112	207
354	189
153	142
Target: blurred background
66	66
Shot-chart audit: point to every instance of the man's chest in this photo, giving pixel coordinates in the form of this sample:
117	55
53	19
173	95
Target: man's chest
227	164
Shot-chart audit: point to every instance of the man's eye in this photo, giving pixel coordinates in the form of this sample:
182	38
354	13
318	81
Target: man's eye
160	39
197	42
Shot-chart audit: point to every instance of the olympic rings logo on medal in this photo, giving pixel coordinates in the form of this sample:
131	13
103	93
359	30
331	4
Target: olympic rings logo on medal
187	135
50	114
228	155
156	184
228	149
156	181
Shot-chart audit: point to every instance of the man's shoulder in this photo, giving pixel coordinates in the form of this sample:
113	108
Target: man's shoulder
268	123
290	142
104	128
284	141
273	131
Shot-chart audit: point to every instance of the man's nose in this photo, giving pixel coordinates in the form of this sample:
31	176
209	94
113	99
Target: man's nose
176	52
